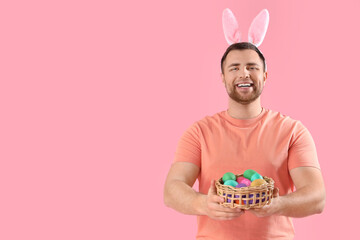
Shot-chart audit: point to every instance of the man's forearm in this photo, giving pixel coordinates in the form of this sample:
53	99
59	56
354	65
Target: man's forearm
181	197
302	203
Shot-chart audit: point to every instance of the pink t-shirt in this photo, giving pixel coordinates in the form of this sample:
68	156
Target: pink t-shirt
271	144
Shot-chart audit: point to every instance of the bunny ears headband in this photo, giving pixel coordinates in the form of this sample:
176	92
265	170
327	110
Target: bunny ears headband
257	28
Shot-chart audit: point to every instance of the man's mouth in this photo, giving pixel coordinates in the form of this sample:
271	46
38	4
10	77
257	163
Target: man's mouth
244	85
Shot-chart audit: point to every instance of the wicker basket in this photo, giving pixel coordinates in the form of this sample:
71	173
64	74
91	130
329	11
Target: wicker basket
246	197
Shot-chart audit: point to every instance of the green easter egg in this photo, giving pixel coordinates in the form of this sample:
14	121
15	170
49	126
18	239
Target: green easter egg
248	173
230	182
256	176
228	176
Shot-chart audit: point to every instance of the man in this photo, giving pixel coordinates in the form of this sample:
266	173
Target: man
246	136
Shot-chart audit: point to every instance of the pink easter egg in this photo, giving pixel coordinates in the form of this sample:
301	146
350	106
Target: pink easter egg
239	179
246	181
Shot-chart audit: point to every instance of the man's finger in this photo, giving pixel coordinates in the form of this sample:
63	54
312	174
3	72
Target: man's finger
276	192
213	195
212	188
220	208
229	215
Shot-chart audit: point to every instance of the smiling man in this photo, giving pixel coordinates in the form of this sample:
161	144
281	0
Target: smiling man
245	136
243	90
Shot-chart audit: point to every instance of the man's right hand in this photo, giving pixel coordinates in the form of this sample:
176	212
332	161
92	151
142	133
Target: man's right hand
214	210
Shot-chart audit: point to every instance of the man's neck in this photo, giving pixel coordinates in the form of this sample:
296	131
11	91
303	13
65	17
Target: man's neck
240	111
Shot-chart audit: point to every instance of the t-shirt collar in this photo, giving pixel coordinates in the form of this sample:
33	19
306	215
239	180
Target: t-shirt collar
244	122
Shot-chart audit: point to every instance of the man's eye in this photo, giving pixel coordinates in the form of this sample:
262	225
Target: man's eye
233	69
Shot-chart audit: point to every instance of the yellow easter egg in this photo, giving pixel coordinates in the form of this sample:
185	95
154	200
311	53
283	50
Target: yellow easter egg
257	182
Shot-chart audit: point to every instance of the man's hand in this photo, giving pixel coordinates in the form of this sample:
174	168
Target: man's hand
308	199
270	209
214	210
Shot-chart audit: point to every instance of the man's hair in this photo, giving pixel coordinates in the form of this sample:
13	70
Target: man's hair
242	46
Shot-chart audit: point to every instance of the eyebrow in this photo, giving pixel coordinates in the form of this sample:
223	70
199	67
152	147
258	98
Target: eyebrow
248	64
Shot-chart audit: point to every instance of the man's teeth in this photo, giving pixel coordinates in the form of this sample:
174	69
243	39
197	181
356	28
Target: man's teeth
244	85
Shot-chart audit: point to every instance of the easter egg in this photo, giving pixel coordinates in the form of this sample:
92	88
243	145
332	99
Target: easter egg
232	183
240	185
239	179
243	196
255	176
237	201
257	196
228	176
248	173
262	198
229	200
251	196
246	181
225	198
257	182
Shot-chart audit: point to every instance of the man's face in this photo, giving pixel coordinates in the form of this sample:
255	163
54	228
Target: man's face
243	67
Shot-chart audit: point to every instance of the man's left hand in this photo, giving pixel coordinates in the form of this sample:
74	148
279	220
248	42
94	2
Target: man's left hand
270	209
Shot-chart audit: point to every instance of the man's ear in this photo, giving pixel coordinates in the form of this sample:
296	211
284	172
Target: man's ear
222	77
265	77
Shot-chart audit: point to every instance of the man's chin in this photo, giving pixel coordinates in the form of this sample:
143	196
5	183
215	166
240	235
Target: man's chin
243	101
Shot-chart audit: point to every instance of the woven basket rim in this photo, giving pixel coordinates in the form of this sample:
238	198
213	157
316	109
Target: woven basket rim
270	183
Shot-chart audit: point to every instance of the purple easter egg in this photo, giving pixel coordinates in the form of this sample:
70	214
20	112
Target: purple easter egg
258	195
251	196
240	185
229	200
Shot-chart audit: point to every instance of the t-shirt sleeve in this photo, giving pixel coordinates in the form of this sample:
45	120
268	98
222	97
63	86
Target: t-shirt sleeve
189	148
302	150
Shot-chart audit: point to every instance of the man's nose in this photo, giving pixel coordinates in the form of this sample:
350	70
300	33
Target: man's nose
243	73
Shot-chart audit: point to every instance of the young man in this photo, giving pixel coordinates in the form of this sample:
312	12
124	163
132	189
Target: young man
246	136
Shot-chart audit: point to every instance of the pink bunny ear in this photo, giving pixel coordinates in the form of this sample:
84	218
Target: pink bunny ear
231	27
258	28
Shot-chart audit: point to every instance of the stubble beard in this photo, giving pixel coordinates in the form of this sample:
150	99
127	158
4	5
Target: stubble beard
241	98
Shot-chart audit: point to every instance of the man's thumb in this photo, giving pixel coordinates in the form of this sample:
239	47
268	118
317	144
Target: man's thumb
212	189
276	192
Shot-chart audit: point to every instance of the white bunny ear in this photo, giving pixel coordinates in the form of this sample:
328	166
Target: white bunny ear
258	28
231	27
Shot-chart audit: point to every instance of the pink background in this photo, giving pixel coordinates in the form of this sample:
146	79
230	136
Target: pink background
94	96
